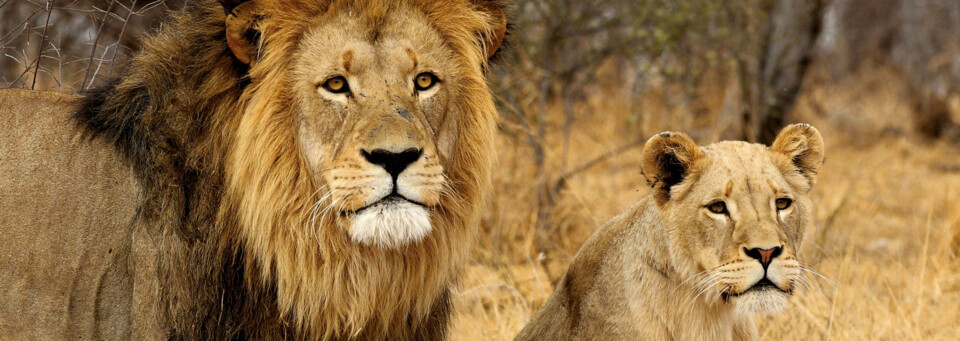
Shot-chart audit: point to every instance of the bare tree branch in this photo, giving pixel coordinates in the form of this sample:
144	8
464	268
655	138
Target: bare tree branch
43	37
126	20
93	49
561	181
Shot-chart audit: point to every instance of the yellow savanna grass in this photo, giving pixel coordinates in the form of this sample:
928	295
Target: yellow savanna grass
886	243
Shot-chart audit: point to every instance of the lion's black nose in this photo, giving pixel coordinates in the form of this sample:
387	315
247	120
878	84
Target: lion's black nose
765	256
393	163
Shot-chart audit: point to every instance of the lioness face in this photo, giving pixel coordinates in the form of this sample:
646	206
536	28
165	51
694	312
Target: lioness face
737	213
747	223
374	122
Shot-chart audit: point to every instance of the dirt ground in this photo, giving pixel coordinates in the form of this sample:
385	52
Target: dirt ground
885	243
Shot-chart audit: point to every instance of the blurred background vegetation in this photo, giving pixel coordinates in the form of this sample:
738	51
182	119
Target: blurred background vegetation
583	83
766	47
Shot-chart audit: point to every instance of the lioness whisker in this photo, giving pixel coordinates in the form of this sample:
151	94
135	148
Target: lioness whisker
830	282
802	283
696	276
706	282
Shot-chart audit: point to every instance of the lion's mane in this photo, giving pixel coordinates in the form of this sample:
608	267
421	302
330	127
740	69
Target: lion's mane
226	193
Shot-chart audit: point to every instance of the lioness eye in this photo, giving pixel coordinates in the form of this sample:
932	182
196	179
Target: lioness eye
718	207
783	203
336	85
424	81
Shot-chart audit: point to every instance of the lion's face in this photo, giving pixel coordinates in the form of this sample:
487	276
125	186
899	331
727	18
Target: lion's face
739	215
361	154
374	123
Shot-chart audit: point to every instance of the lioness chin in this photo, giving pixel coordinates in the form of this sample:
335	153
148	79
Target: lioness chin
713	244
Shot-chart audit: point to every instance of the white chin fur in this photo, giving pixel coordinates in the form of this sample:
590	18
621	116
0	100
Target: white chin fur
761	302
390	225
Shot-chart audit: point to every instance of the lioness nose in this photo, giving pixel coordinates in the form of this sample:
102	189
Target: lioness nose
765	256
393	163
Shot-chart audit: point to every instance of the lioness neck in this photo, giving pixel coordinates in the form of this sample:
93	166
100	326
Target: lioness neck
622	285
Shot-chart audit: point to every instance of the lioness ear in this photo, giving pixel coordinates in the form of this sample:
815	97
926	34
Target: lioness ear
494	38
668	158
242	36
803	145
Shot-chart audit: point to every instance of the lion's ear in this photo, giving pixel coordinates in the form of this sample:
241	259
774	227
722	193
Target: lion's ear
498	21
668	158
242	35
803	145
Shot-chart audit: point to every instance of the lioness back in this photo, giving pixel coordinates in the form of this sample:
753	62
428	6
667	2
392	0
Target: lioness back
66	208
715	243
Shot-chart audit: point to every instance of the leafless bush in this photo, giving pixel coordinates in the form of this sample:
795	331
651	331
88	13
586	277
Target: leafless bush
71	45
560	47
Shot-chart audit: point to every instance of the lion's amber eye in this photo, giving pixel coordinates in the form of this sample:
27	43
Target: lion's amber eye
718	207
336	85
783	203
425	81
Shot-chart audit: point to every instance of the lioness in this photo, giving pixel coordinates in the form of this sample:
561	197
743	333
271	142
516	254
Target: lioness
264	169
713	244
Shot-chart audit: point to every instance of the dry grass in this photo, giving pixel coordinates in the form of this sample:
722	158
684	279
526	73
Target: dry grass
887	234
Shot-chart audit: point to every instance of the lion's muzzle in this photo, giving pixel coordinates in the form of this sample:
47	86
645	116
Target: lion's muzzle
393	163
390	223
399	217
387	190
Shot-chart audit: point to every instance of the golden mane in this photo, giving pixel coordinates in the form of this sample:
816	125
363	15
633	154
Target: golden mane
227	191
273	193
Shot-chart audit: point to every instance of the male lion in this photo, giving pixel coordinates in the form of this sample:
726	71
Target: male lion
714	243
290	169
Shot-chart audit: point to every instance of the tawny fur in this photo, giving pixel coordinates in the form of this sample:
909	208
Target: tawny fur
228	189
66	214
668	269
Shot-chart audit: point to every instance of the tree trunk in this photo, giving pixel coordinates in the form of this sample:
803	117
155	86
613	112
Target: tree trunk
788	52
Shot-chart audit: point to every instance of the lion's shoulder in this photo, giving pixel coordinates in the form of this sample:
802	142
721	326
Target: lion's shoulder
66	209
18	100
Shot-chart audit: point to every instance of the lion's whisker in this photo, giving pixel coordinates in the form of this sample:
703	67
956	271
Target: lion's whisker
330	208
447	191
314	212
